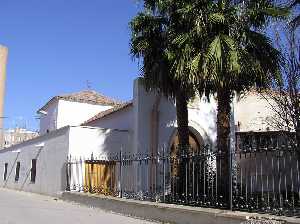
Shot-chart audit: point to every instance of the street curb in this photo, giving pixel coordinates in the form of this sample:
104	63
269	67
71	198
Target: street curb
166	212
155	211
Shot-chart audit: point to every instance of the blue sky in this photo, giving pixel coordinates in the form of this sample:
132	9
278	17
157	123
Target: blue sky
55	46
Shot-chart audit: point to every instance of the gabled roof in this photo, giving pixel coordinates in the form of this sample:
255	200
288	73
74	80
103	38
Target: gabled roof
109	112
85	96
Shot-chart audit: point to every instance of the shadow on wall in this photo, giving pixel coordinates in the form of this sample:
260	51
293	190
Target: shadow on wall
29	171
11	170
115	142
63	176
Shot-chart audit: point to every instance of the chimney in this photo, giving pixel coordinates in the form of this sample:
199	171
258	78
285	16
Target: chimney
3	61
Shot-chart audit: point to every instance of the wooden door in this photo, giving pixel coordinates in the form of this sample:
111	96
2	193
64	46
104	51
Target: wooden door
100	177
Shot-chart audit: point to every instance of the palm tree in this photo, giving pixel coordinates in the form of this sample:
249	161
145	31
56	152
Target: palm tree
214	46
226	54
237	57
151	41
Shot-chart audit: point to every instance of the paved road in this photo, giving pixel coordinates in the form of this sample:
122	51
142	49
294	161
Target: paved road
26	208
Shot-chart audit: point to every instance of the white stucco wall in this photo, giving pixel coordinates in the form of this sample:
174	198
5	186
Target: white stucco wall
50	171
252	112
48	121
73	113
101	142
202	118
77	142
61	113
121	120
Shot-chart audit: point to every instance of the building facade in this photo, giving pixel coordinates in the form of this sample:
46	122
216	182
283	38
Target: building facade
85	125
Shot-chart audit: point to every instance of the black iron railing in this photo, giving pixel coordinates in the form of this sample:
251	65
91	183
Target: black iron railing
263	180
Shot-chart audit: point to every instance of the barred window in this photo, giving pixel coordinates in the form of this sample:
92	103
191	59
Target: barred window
17	172
5	171
33	171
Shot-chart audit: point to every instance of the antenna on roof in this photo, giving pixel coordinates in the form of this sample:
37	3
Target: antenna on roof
88	85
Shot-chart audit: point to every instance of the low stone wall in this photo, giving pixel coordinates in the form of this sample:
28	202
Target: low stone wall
164	212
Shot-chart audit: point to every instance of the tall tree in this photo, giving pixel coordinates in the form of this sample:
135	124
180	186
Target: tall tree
214	46
228	54
153	33
151	41
237	58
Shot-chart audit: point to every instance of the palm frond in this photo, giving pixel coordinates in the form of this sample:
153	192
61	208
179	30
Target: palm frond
217	18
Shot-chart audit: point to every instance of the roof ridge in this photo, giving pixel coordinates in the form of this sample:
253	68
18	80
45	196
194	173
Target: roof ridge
86	96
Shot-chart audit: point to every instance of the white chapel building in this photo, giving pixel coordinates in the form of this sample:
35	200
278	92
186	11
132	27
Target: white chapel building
85	124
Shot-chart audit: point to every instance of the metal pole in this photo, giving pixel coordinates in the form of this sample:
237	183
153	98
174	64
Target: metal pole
121	190
232	149
164	175
231	179
68	174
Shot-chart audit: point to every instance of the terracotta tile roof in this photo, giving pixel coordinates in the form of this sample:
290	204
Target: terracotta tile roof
86	96
108	112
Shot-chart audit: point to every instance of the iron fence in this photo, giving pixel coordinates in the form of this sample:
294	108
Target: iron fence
263	180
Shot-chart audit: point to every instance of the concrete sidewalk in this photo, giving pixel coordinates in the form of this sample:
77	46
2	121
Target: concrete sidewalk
170	213
25	208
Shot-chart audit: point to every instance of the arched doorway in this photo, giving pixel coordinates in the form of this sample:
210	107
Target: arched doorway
195	143
184	176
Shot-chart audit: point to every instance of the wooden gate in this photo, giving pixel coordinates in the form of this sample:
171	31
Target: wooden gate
100	177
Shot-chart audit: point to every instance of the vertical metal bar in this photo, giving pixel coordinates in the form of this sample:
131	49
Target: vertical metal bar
68	175
292	183
268	190
298	179
251	184
186	179
241	181
219	157
212	177
273	178
217	178
285	179
197	176
164	176
262	180
251	180
193	161
204	179
121	184
231	179
246	183
256	180
82	173
279	183
172	174
200	174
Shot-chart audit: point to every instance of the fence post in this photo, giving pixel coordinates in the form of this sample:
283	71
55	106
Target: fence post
68	173
120	170
231	180
164	175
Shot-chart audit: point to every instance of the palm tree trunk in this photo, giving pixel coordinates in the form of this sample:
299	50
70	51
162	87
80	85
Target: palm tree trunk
223	144
183	137
182	119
